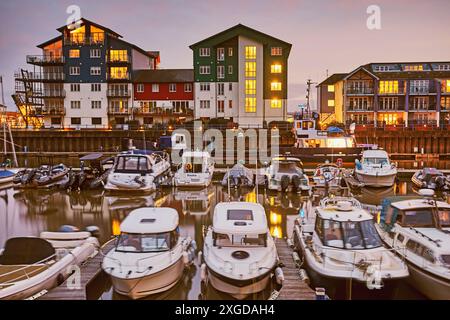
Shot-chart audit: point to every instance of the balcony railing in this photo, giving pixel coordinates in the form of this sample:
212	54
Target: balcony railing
118	77
118	59
113	93
164	112
391	109
359	91
53	111
368	108
40	76
54	93
117	110
399	91
79	39
420	90
45	60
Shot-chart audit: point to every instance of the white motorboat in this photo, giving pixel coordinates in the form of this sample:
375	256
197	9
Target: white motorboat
150	255
239	253
418	229
286	174
327	175
196	169
138	172
375	169
341	247
431	178
31	265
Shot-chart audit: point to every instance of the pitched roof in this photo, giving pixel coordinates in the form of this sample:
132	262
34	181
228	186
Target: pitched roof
46	43
237	30
164	76
61	29
333	79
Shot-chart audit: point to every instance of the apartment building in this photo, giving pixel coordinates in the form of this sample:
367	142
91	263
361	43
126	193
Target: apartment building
241	74
82	79
388	95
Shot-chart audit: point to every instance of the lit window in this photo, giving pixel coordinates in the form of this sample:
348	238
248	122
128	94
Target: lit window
276	51
119	73
74	53
250	52
388	87
250	86
275	68
250	104
118	56
447	87
275	86
275	103
77	36
414	68
97	35
331	103
250	69
331	88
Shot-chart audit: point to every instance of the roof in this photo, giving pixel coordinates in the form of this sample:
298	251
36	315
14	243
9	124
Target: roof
254	224
438	237
237	30
150	220
83	20
149	54
164	75
375	154
343	209
333	79
46	43
418	203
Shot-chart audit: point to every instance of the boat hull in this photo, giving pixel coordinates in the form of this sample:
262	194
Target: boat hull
376	180
137	288
430	285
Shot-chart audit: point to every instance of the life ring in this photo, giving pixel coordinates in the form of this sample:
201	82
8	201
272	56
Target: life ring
188	167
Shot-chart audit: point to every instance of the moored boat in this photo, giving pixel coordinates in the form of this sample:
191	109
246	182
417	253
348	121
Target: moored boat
196	170
431	178
327	175
375	169
286	174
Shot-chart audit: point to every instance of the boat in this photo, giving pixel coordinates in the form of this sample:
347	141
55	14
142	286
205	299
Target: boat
327	175
239	253
431	178
286	174
195	202
239	176
195	170
30	265
138	172
375	169
6	176
340	245
150	255
418	229
46	176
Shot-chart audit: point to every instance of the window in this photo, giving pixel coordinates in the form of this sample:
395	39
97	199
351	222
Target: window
333	234
205	69
96	71
383	68
118	55
389	103
96	87
172	87
446	86
220	106
331	88
140	87
275	104
419	86
220	89
230	69
445	103
155	87
230	86
275	68
148	120
204	87
331	103
205	52
250	87
220	72
413	68
75	121
220	54
96	104
96	121
75	104
275	86
119	72
75	87
250	104
250	52
188	87
74	71
205	104
443	67
55	121
230	52
276	51
95	53
250	69
230	104
388	87
359	103
420	103
74	53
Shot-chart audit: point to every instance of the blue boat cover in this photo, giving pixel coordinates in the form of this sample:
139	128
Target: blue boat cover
335	130
6	174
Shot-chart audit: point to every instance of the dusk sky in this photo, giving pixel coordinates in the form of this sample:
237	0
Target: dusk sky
326	35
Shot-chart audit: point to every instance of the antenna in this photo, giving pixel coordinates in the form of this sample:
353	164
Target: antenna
308	94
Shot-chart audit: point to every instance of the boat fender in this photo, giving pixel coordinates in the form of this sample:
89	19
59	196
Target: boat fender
303	276
279	275
284	182
68	228
199	256
203	273
296	259
290	243
93	230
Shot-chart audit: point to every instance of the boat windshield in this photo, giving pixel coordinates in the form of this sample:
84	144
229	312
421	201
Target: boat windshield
444	217
193	165
376	161
239	240
352	235
141	243
131	164
418	218
287	167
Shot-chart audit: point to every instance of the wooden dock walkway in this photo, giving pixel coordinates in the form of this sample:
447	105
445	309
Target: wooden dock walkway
293	287
89	271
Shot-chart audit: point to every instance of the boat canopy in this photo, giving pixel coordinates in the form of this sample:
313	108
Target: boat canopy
26	250
150	220
334	130
239	218
6	174
238	170
91	157
375	154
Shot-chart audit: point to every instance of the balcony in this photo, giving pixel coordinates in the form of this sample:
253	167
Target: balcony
399	91
45	60
49	111
117	110
359	91
118	60
80	39
421	91
54	94
394	108
39	76
164	112
423	108
356	108
113	93
118	77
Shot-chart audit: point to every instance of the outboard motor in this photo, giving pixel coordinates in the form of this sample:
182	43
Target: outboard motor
440	182
94	231
285	181
296	181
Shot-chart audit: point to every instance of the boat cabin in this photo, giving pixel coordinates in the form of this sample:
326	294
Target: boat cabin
196	162
239	224
378	158
132	163
149	230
